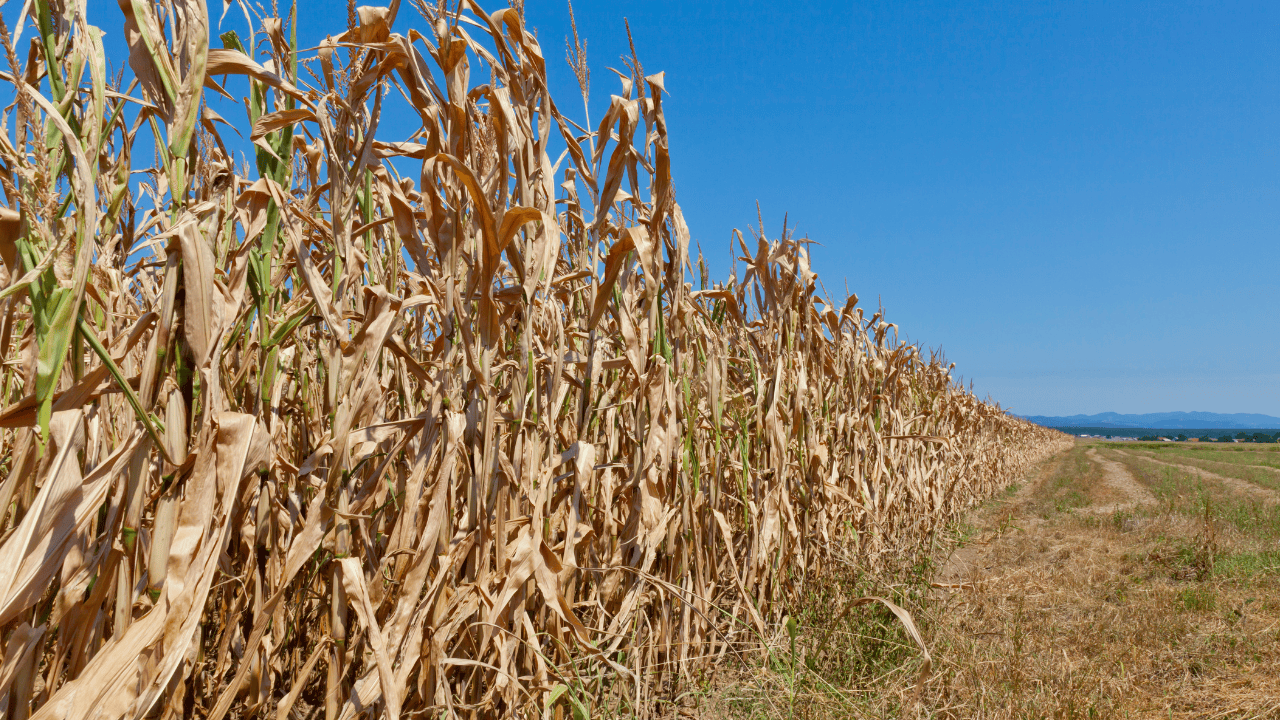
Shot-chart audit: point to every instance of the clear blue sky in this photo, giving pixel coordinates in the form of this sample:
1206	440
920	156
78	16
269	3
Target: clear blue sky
1076	201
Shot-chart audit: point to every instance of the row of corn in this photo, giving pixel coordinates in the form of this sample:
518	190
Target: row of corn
300	421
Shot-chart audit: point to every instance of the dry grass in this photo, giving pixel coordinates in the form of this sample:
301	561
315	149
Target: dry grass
318	438
1050	609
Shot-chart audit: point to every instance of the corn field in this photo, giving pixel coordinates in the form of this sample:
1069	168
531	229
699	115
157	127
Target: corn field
346	426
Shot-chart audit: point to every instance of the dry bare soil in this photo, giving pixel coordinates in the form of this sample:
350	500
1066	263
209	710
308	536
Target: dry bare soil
1120	581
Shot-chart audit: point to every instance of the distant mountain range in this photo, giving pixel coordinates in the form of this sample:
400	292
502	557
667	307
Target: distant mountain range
1171	420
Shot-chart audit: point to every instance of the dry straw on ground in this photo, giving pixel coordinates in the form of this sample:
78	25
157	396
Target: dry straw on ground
318	439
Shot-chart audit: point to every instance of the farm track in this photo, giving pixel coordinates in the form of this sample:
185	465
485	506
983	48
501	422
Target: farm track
966	565
1244	487
1095	611
1121	480
1019	513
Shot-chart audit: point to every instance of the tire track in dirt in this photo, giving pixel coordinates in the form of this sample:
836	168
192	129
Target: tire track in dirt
1243	487
968	561
1016	513
1122	481
1056	595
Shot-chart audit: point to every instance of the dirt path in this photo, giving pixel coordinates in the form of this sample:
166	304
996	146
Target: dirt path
1056	607
1122	481
1244	487
968	564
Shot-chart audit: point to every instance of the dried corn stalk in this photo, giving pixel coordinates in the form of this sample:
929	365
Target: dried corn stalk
467	442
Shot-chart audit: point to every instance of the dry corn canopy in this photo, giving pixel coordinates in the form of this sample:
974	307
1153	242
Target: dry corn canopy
322	432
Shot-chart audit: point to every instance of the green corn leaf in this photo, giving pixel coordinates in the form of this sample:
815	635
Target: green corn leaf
123	383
